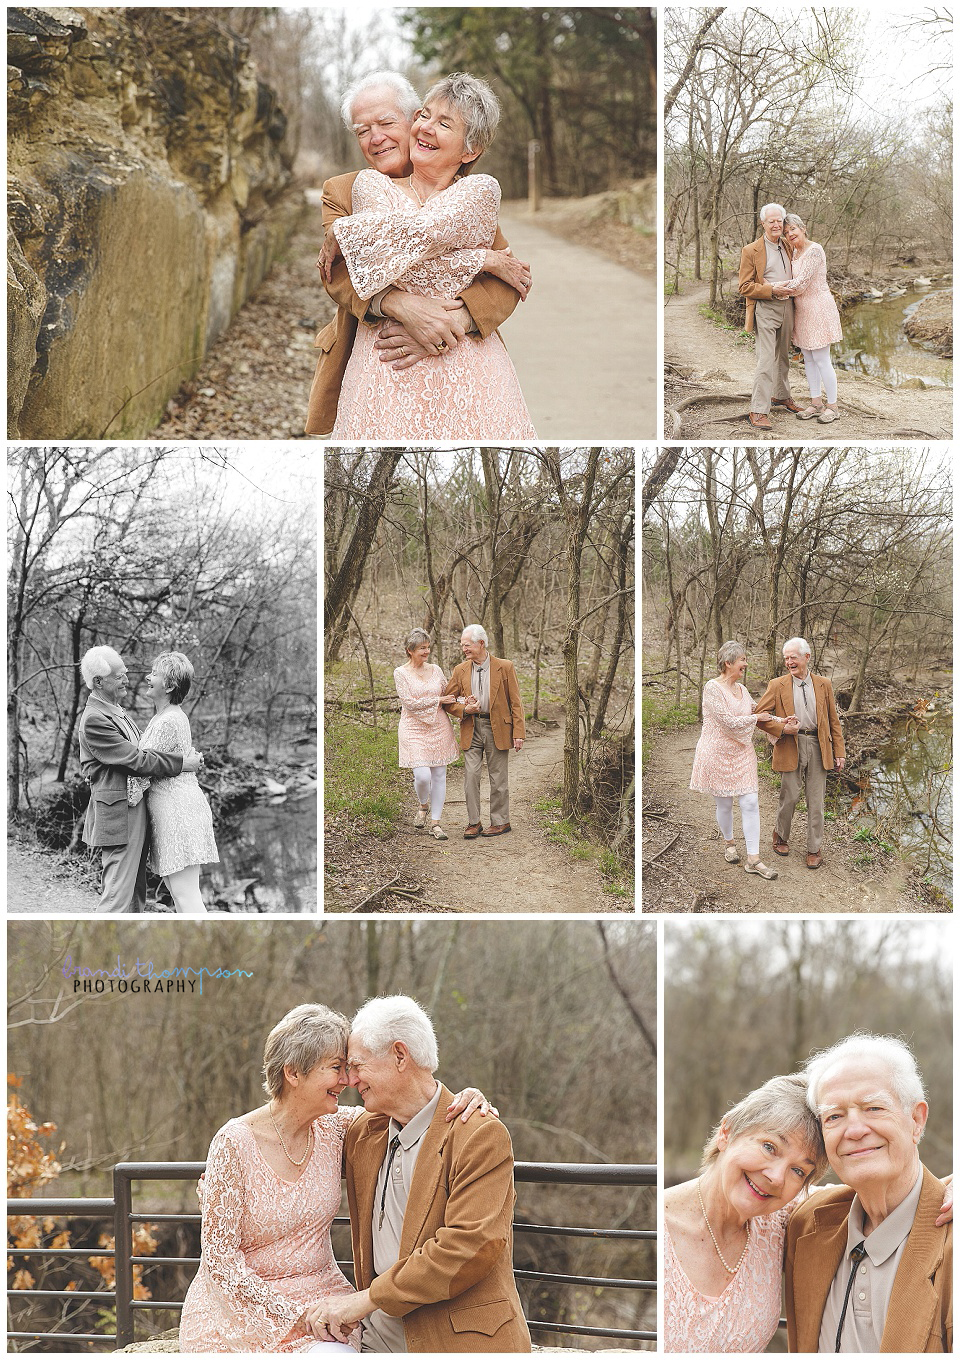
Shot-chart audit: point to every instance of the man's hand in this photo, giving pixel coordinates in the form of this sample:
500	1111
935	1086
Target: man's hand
518	743
338	1317
779	293
472	704
435	324
791	726
192	762
839	763
398	348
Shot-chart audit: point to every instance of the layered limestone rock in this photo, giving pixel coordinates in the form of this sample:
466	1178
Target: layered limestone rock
149	193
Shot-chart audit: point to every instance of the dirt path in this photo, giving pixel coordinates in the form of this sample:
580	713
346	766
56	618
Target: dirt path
35	883
585	343
693	876
705	361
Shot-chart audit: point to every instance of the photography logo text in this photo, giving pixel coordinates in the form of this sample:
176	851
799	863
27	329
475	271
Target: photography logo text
143	977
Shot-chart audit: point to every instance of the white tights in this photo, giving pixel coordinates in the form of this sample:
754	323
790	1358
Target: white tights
330	1346
184	888
749	817
430	782
820	373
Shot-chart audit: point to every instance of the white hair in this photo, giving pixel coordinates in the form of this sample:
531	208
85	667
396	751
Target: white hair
98	661
771	207
475	633
798	645
893	1053
408	101
390	1019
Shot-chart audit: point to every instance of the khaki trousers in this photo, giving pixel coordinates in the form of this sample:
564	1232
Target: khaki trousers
773	322
123	886
497	772
811	774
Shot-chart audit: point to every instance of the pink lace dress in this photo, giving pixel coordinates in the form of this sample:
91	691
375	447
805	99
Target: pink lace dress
470	392
425	734
816	321
746	1314
725	763
265	1244
181	824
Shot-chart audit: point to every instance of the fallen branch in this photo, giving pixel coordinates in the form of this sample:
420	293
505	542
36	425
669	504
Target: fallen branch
375	894
648	862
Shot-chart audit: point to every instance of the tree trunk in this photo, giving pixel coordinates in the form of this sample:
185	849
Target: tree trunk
345	585
623	546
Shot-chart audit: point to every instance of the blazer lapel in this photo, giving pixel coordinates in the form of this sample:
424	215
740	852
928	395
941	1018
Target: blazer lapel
816	1259
496	676
368	1156
426	1175
788	706
912	1313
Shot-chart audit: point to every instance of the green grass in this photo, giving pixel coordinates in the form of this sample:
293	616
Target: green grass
660	714
361	776
562	831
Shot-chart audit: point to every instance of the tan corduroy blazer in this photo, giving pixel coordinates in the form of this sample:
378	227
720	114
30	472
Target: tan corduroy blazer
488	300
753	262
506	708
920	1316
453	1283
777	698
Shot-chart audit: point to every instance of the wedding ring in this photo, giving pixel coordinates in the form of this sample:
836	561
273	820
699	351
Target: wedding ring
403	351
441	344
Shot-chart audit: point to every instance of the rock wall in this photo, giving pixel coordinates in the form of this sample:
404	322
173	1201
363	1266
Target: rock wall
149	193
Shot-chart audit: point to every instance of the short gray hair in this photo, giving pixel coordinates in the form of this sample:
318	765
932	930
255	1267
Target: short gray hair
176	672
391	1019
475	633
779	1107
303	1039
416	638
476	104
868	1048
799	645
408	101
793	220
770	207
98	661
727	654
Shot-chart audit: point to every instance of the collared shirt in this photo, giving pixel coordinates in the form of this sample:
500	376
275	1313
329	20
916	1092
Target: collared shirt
480	684
873	1282
805	701
380	1331
778	267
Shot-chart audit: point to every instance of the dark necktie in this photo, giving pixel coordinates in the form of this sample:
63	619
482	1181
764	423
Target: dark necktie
394	1144
803	702
857	1255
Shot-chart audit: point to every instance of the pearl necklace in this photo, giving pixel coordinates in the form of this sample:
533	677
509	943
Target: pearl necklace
731	1270
309	1144
413	190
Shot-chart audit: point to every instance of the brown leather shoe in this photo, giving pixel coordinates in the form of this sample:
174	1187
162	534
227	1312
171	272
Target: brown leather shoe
759	421
787	403
473	831
498	830
814	859
780	846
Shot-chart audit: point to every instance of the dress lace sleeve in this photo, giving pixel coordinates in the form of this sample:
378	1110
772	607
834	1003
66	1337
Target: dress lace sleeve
381	243
805	269
161	734
714	706
223	1208
426	706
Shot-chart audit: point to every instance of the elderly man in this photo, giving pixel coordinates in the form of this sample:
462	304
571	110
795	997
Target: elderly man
491	723
868	1269
380	109
431	1203
764	263
109	752
808	745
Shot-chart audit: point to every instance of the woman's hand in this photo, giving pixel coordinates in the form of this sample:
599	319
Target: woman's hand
329	254
506	266
470	1100
448	699
946	1209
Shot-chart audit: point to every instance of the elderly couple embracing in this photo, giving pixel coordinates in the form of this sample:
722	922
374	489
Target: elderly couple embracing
867	1264
798	713
421	274
431	1201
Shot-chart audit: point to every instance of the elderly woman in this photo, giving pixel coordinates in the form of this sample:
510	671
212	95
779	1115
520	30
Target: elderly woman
816	320
725	763
425	734
181	824
430	233
269	1196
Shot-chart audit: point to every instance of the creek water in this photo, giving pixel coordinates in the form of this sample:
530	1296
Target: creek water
276	846
907	796
874	342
